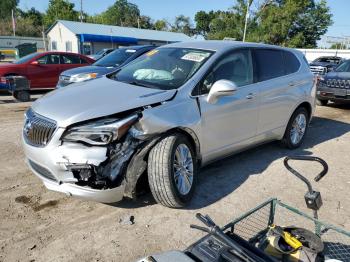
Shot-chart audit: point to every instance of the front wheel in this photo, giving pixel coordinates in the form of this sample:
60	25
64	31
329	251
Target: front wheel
296	128
172	171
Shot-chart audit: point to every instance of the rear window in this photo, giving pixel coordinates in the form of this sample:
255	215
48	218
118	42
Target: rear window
291	63
269	64
115	58
83	61
70	59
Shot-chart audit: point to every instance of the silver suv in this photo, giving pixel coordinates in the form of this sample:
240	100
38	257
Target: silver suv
166	114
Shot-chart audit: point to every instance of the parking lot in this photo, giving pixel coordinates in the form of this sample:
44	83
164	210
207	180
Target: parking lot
38	225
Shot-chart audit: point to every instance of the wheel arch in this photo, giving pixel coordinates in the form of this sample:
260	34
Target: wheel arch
192	138
308	108
11	74
136	168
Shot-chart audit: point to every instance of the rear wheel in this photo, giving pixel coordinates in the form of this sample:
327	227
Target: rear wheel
22	96
296	128
172	171
321	102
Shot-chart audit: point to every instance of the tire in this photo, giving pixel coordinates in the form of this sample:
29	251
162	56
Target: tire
288	140
320	102
22	96
162	163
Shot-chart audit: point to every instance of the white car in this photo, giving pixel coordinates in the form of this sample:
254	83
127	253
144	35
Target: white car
161	117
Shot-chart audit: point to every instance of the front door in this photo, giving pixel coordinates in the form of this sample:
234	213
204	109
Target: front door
230	123
45	73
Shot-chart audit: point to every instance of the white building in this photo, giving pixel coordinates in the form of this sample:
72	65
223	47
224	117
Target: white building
87	38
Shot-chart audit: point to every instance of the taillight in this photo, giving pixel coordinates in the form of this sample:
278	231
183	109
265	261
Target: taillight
3	80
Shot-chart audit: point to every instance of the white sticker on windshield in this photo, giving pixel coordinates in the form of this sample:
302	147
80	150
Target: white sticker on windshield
130	51
195	57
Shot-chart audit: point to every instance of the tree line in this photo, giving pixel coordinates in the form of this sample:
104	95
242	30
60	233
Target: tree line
281	22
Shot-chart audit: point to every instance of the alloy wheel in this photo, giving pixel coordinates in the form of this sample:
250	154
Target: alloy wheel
183	169
298	129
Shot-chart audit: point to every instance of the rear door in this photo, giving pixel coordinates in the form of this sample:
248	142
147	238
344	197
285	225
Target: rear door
45	73
69	61
276	81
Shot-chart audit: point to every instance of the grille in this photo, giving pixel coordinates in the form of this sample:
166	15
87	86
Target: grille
37	129
42	171
318	70
338	83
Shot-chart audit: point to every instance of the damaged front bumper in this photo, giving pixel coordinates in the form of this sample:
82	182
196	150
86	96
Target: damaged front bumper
99	195
55	163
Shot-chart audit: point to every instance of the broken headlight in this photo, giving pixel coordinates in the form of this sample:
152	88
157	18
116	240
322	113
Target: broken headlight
101	132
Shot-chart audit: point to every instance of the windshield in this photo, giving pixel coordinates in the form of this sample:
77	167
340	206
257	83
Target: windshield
25	59
115	58
100	52
344	67
163	68
332	60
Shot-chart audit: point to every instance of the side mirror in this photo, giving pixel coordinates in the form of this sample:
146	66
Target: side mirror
35	62
221	88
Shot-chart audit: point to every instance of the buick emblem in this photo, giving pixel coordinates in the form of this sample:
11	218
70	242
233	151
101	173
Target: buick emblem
27	127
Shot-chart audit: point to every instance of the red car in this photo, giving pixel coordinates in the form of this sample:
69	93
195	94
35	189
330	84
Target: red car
43	69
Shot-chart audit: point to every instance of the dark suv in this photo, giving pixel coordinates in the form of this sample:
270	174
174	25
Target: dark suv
105	65
325	64
335	86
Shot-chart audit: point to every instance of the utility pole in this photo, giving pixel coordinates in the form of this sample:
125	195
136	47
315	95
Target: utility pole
81	11
249	2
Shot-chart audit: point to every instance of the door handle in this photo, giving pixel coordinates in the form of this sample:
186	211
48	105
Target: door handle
291	84
250	96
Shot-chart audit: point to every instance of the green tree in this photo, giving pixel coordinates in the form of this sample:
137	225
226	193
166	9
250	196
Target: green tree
60	9
203	20
183	24
145	22
281	22
161	25
34	15
6	7
24	27
221	24
121	13
294	23
338	46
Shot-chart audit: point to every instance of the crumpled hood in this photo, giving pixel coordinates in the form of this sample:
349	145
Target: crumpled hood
89	69
97	98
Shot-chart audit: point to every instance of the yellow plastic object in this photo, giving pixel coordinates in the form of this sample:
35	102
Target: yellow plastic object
273	250
290	240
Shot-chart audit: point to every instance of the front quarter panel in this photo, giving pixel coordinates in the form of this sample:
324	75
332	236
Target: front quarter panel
182	114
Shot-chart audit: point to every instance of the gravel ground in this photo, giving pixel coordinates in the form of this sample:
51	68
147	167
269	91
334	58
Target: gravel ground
38	225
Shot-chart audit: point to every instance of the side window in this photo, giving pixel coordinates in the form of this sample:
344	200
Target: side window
236	67
49	60
291	63
83	61
70	59
269	64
